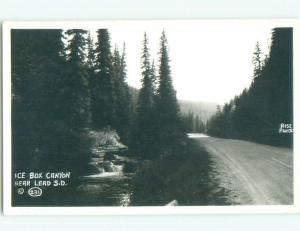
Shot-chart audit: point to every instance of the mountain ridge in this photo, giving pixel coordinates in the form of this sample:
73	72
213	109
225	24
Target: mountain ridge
202	109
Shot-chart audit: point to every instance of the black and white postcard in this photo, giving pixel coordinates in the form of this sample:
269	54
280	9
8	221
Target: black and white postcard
150	117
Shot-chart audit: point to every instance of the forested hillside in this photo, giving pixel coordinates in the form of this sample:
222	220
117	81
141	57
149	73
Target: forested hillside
194	115
263	112
202	109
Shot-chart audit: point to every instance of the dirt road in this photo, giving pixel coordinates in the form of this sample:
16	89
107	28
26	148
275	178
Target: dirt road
252	173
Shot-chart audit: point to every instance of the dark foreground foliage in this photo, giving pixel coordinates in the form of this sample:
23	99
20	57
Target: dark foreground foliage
183	176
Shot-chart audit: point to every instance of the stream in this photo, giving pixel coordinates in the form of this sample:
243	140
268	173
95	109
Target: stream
111	185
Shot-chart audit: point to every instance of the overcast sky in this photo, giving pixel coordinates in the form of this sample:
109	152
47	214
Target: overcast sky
209	62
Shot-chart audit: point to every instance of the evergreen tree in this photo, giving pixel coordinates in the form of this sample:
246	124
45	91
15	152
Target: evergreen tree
167	119
103	92
35	102
70	144
127	110
77	95
90	64
199	125
90	52
144	129
214	125
257	61
153	76
123	97
278	76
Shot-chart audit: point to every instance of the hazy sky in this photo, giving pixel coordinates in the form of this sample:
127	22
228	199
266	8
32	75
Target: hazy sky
209	62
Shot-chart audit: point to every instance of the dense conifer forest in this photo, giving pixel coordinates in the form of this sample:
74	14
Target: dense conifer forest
64	85
257	114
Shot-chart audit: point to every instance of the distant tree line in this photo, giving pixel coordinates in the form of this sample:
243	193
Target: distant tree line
258	113
192	123
64	85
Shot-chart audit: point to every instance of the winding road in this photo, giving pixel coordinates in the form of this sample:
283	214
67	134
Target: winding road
253	174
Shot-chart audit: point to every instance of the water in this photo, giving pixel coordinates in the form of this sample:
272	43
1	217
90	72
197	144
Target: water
110	186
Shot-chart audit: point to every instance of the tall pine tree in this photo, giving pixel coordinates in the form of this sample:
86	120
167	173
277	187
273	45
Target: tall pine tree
168	130
71	150
123	98
103	92
77	93
144	132
257	61
90	52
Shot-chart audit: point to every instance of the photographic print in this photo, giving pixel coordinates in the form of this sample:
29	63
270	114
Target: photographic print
148	114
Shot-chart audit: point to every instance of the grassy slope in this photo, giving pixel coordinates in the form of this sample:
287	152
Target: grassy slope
184	177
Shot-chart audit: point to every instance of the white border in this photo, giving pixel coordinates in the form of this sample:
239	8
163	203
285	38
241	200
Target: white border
139	210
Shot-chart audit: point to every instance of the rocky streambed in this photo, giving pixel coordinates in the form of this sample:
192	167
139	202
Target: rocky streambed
110	184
